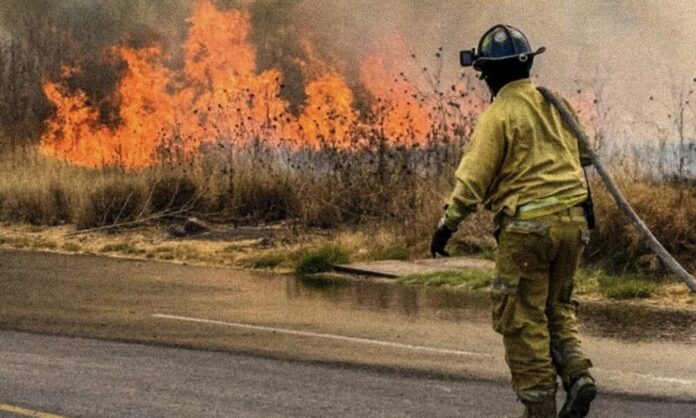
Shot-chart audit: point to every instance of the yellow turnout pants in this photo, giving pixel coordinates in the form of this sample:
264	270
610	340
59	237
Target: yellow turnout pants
532	306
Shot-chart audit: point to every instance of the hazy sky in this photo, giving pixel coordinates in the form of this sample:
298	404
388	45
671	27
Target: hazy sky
635	46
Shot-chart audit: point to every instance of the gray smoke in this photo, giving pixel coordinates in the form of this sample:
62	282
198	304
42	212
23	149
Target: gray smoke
631	49
635	48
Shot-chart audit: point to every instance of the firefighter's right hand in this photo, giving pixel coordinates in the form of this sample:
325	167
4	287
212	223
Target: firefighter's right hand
440	238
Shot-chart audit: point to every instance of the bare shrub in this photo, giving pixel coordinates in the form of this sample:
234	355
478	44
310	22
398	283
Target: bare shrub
115	200
173	192
38	205
264	195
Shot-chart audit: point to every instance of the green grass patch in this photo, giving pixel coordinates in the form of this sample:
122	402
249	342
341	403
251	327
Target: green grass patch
471	279
488	253
321	260
627	286
587	280
473	249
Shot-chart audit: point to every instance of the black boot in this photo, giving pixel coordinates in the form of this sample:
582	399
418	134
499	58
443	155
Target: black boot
544	408
579	396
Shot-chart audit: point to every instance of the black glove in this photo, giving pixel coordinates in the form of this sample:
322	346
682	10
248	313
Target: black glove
440	237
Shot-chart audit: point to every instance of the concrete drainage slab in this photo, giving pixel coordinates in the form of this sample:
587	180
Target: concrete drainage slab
399	268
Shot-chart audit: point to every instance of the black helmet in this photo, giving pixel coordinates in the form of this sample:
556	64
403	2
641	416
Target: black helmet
499	43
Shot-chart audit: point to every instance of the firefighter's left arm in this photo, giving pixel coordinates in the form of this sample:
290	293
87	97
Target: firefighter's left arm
477	169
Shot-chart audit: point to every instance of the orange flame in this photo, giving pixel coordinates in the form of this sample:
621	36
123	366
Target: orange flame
327	116
219	96
328	113
146	111
167	114
224	94
74	134
403	116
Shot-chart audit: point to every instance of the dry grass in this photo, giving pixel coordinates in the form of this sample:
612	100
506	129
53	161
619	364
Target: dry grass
322	190
374	209
282	252
669	209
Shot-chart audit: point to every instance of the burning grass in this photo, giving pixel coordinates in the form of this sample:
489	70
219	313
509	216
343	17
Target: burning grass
167	110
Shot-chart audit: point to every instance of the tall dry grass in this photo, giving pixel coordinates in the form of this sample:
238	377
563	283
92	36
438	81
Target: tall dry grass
668	207
403	191
319	189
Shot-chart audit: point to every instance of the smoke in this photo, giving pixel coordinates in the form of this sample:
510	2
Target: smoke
631	49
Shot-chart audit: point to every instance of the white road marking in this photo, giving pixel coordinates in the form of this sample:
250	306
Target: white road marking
380	343
286	331
650	377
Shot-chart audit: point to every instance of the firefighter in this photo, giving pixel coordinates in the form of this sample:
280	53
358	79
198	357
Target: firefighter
524	164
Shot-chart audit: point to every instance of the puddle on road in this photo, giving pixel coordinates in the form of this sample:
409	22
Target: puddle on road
380	296
634	322
627	322
376	308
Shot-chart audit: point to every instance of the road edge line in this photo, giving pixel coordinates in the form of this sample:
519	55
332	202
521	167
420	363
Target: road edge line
336	337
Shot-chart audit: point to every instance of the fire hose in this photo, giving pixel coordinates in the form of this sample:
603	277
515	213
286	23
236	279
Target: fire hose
615	192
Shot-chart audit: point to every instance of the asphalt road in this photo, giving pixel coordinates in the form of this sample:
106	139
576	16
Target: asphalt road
313	348
74	377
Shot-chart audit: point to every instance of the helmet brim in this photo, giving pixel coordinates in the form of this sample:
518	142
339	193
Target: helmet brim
481	62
